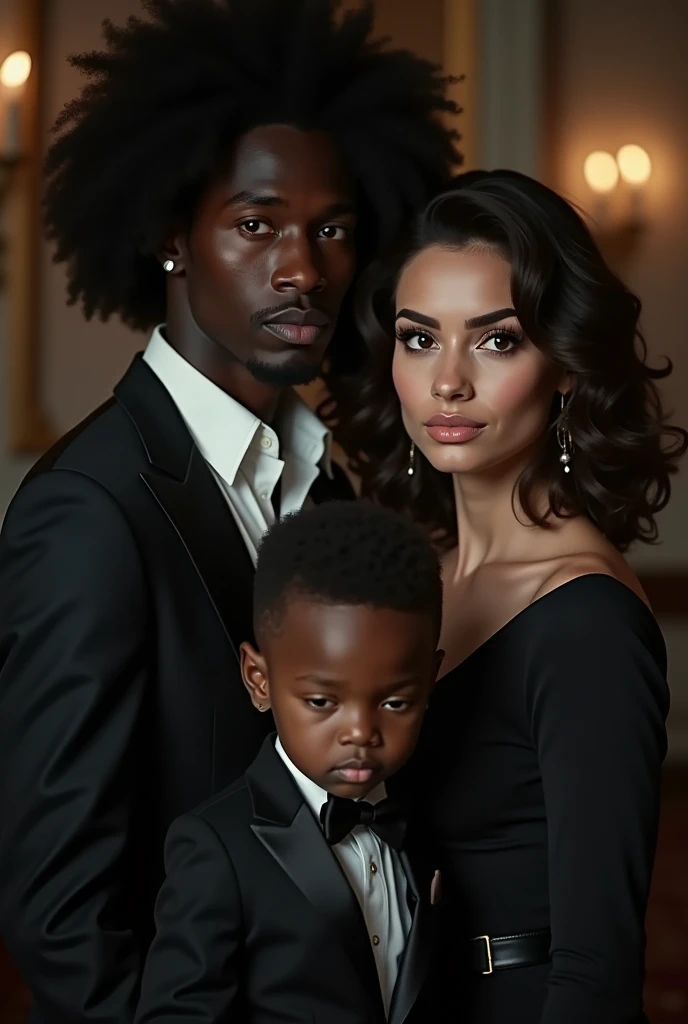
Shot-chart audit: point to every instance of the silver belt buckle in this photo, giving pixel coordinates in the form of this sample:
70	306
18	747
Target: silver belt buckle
488	947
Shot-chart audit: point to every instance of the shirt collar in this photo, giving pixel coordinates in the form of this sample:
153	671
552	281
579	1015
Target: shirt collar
314	795
222	428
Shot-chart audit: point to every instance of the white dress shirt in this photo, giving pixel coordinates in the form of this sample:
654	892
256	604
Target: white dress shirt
242	452
375	874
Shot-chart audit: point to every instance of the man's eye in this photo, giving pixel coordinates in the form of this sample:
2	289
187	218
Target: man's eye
256	227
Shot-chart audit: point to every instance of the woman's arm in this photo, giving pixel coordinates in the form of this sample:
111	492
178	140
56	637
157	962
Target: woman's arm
598	701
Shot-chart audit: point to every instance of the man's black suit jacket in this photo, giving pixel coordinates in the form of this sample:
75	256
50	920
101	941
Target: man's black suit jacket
257	923
125	592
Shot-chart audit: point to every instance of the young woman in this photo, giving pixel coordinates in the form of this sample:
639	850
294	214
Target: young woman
524	421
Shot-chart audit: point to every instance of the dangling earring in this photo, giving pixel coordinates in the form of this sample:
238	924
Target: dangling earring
564	437
168	265
412	460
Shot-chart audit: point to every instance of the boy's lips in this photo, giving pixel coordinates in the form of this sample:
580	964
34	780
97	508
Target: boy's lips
356	771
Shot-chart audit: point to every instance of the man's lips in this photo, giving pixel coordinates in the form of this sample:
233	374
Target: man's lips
453	429
300	317
297	326
294	334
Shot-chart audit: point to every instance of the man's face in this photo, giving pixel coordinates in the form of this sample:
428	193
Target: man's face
270	255
348	687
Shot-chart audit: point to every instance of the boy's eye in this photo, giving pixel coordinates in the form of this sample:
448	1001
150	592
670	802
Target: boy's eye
396	704
319	702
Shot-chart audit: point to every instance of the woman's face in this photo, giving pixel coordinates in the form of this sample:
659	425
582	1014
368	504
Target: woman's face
475	393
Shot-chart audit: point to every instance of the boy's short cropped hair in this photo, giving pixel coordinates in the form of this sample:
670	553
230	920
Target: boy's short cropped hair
348	553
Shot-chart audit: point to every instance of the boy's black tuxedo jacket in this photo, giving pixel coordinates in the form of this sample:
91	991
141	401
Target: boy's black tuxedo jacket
258	924
125	592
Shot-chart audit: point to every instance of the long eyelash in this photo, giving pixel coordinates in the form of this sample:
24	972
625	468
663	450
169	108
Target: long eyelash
517	336
406	333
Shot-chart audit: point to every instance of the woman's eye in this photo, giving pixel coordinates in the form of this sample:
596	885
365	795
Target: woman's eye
417	341
500	342
256	227
318	702
334	232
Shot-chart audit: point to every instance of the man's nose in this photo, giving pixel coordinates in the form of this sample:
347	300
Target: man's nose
298	267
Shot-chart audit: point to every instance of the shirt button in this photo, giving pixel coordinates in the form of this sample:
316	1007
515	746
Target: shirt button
373	867
265	442
376	940
264	496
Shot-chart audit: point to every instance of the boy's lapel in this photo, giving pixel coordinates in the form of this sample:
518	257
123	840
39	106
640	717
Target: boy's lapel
286	827
415	960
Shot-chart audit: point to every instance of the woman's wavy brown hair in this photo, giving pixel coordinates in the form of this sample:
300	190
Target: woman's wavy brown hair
577	311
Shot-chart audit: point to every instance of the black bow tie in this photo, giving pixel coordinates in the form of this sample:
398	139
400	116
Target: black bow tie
386	819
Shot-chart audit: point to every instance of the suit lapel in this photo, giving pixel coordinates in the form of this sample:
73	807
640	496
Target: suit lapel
186	491
286	827
415	959
206	527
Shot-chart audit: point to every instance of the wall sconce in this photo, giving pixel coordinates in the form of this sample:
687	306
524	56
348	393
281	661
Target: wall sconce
629	170
14	74
601	172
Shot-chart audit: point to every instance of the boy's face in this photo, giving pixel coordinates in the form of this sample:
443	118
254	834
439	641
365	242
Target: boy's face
348	686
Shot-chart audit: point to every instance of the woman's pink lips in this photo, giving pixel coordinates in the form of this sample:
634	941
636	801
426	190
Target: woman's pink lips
453	435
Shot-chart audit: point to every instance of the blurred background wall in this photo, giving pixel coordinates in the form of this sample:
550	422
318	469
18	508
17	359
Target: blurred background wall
547	83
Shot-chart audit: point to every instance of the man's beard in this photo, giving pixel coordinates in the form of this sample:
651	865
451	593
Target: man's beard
297	371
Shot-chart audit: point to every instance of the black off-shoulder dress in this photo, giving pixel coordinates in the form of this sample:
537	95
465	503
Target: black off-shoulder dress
539	769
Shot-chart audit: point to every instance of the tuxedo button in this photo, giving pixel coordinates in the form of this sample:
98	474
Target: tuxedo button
376	940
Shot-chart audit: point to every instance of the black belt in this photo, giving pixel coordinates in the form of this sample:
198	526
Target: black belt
526	950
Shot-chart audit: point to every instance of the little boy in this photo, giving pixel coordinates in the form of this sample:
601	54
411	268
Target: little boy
292	896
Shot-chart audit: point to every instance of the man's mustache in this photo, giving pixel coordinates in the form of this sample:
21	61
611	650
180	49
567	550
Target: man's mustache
261	315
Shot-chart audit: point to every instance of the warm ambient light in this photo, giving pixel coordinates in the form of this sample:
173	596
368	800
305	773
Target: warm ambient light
601	171
15	69
634	164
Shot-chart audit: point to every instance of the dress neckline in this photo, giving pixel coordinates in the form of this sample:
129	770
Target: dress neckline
529	607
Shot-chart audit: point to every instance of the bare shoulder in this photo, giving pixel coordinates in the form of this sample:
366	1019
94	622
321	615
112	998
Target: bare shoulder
590	563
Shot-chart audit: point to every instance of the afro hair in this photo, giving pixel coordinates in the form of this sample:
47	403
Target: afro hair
174	89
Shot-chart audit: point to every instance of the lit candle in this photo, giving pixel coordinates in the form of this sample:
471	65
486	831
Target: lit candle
14	73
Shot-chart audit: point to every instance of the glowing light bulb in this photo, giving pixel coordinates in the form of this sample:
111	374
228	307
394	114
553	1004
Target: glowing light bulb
15	69
601	171
635	165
